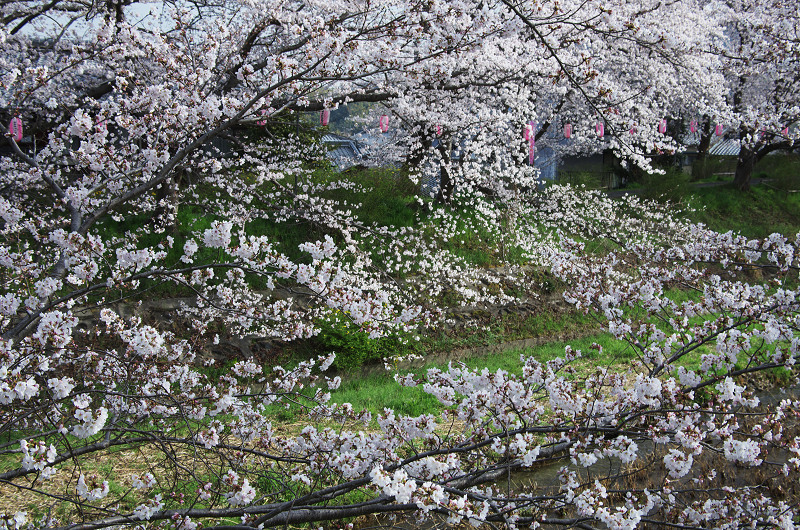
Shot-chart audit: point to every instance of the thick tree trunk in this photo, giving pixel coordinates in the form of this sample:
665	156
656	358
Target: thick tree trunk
744	168
699	166
446	184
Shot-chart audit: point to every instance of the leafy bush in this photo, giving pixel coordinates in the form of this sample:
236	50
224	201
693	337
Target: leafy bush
713	168
591	180
673	185
783	171
353	346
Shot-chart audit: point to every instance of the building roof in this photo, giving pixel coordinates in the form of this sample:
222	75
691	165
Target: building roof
725	147
343	151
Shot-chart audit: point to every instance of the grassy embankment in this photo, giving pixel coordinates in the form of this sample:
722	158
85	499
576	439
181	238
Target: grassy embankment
389	201
767	208
756	214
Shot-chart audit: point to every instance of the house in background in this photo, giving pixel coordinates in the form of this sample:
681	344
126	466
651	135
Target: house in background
342	151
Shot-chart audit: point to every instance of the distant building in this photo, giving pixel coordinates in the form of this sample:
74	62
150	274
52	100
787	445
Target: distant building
342	151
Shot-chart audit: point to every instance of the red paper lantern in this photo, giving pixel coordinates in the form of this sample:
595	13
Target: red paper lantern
662	127
693	126
438	130
383	123
324	117
718	129
600	129
262	122
568	131
15	128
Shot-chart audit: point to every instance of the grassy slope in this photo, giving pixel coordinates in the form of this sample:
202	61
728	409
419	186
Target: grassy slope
757	213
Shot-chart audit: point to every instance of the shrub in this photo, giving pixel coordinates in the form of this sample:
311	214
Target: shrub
353	346
591	180
783	171
713	168
673	185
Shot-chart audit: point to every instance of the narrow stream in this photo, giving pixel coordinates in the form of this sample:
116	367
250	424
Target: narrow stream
544	480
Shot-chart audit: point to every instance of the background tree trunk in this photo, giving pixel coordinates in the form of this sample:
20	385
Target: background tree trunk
446	184
744	168
699	166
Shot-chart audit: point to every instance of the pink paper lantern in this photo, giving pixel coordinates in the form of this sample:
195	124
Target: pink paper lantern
530	136
568	131
324	117
693	126
262	122
600	129
785	131
662	126
101	125
383	123
718	129
633	130
438	130
15	128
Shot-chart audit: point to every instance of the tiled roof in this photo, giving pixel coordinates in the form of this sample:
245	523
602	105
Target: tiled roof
725	147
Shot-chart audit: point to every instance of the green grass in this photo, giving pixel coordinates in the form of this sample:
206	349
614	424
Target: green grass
377	391
387	197
767	208
783	170
673	185
757	213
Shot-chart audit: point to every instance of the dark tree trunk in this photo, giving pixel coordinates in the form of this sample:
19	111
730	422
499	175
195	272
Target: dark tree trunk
744	168
164	215
699	166
446	184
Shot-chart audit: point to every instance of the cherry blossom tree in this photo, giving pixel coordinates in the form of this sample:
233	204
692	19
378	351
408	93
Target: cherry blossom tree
125	112
621	69
760	50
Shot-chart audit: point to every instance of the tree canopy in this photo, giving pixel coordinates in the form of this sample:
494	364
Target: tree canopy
134	113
